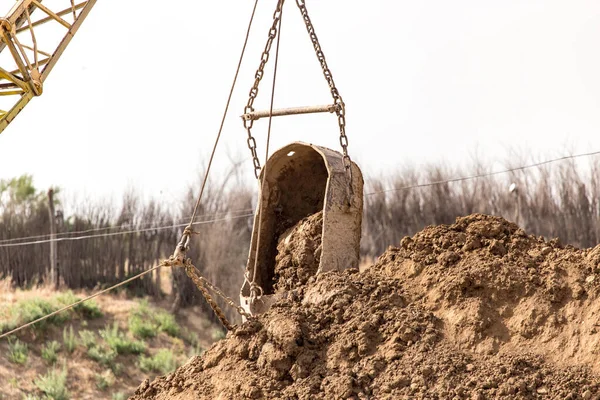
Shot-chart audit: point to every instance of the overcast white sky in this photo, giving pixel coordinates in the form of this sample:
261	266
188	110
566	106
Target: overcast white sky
138	96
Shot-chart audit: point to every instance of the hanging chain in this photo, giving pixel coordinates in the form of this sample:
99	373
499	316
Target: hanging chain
260	72
340	109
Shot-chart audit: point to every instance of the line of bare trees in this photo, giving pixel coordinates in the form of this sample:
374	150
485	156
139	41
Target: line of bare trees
556	200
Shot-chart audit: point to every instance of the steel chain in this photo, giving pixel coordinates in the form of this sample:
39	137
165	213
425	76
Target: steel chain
337	98
260	72
201	283
178	259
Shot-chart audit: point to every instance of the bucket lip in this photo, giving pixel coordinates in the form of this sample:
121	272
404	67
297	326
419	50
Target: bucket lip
333	159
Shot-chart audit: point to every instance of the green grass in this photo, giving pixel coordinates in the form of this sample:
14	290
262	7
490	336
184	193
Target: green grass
53	384
162	362
50	352
69	341
88	338
105	380
102	355
119	396
30	396
88	309
28	310
119	342
17	351
146	322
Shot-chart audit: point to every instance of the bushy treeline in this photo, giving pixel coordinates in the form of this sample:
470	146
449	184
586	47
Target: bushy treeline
556	200
126	240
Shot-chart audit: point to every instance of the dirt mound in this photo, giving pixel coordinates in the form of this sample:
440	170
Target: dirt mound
473	310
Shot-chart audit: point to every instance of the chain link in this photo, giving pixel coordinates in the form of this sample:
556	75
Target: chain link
260	72
201	283
340	109
178	259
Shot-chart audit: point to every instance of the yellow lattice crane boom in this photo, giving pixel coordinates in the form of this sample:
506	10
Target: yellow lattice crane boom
33	36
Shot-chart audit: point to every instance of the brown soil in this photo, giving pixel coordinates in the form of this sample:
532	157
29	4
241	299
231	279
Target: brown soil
473	310
298	253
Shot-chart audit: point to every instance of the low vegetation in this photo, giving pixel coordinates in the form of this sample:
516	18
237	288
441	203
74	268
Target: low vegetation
50	352
88	338
147	322
98	343
69	340
28	310
105	380
163	361
17	351
54	384
120	343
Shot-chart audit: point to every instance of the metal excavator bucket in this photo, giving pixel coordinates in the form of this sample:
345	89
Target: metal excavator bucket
302	180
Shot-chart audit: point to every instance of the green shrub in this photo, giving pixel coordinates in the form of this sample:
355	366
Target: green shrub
54	384
162	362
69	340
30	396
141	327
88	339
146	322
105	380
120	343
28	310
17	351
87	309
167	323
119	396
102	355
50	351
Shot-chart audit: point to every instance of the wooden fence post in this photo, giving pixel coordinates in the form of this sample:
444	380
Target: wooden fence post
53	253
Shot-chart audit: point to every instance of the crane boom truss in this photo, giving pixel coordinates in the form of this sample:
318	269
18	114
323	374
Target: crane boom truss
33	36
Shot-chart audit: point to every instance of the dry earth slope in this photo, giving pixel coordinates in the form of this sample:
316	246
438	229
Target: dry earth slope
473	310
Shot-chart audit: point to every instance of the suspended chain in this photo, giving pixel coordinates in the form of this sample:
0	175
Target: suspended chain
202	284
178	259
337	98
260	72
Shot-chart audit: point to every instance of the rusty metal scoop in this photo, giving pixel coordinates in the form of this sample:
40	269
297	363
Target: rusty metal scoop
301	180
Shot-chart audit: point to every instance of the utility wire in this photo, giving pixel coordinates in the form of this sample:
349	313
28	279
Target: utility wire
81	301
264	171
191	223
58	235
214	150
68	239
483	175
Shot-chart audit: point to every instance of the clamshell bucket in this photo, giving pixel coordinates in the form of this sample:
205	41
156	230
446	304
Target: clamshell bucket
301	180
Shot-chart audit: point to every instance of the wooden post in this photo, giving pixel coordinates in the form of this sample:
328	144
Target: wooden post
53	253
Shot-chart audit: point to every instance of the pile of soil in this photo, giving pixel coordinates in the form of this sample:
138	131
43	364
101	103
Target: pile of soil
473	310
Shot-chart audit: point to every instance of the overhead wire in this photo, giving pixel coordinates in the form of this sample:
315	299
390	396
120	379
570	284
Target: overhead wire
253	285
484	175
76	238
191	223
123	226
65	308
212	155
